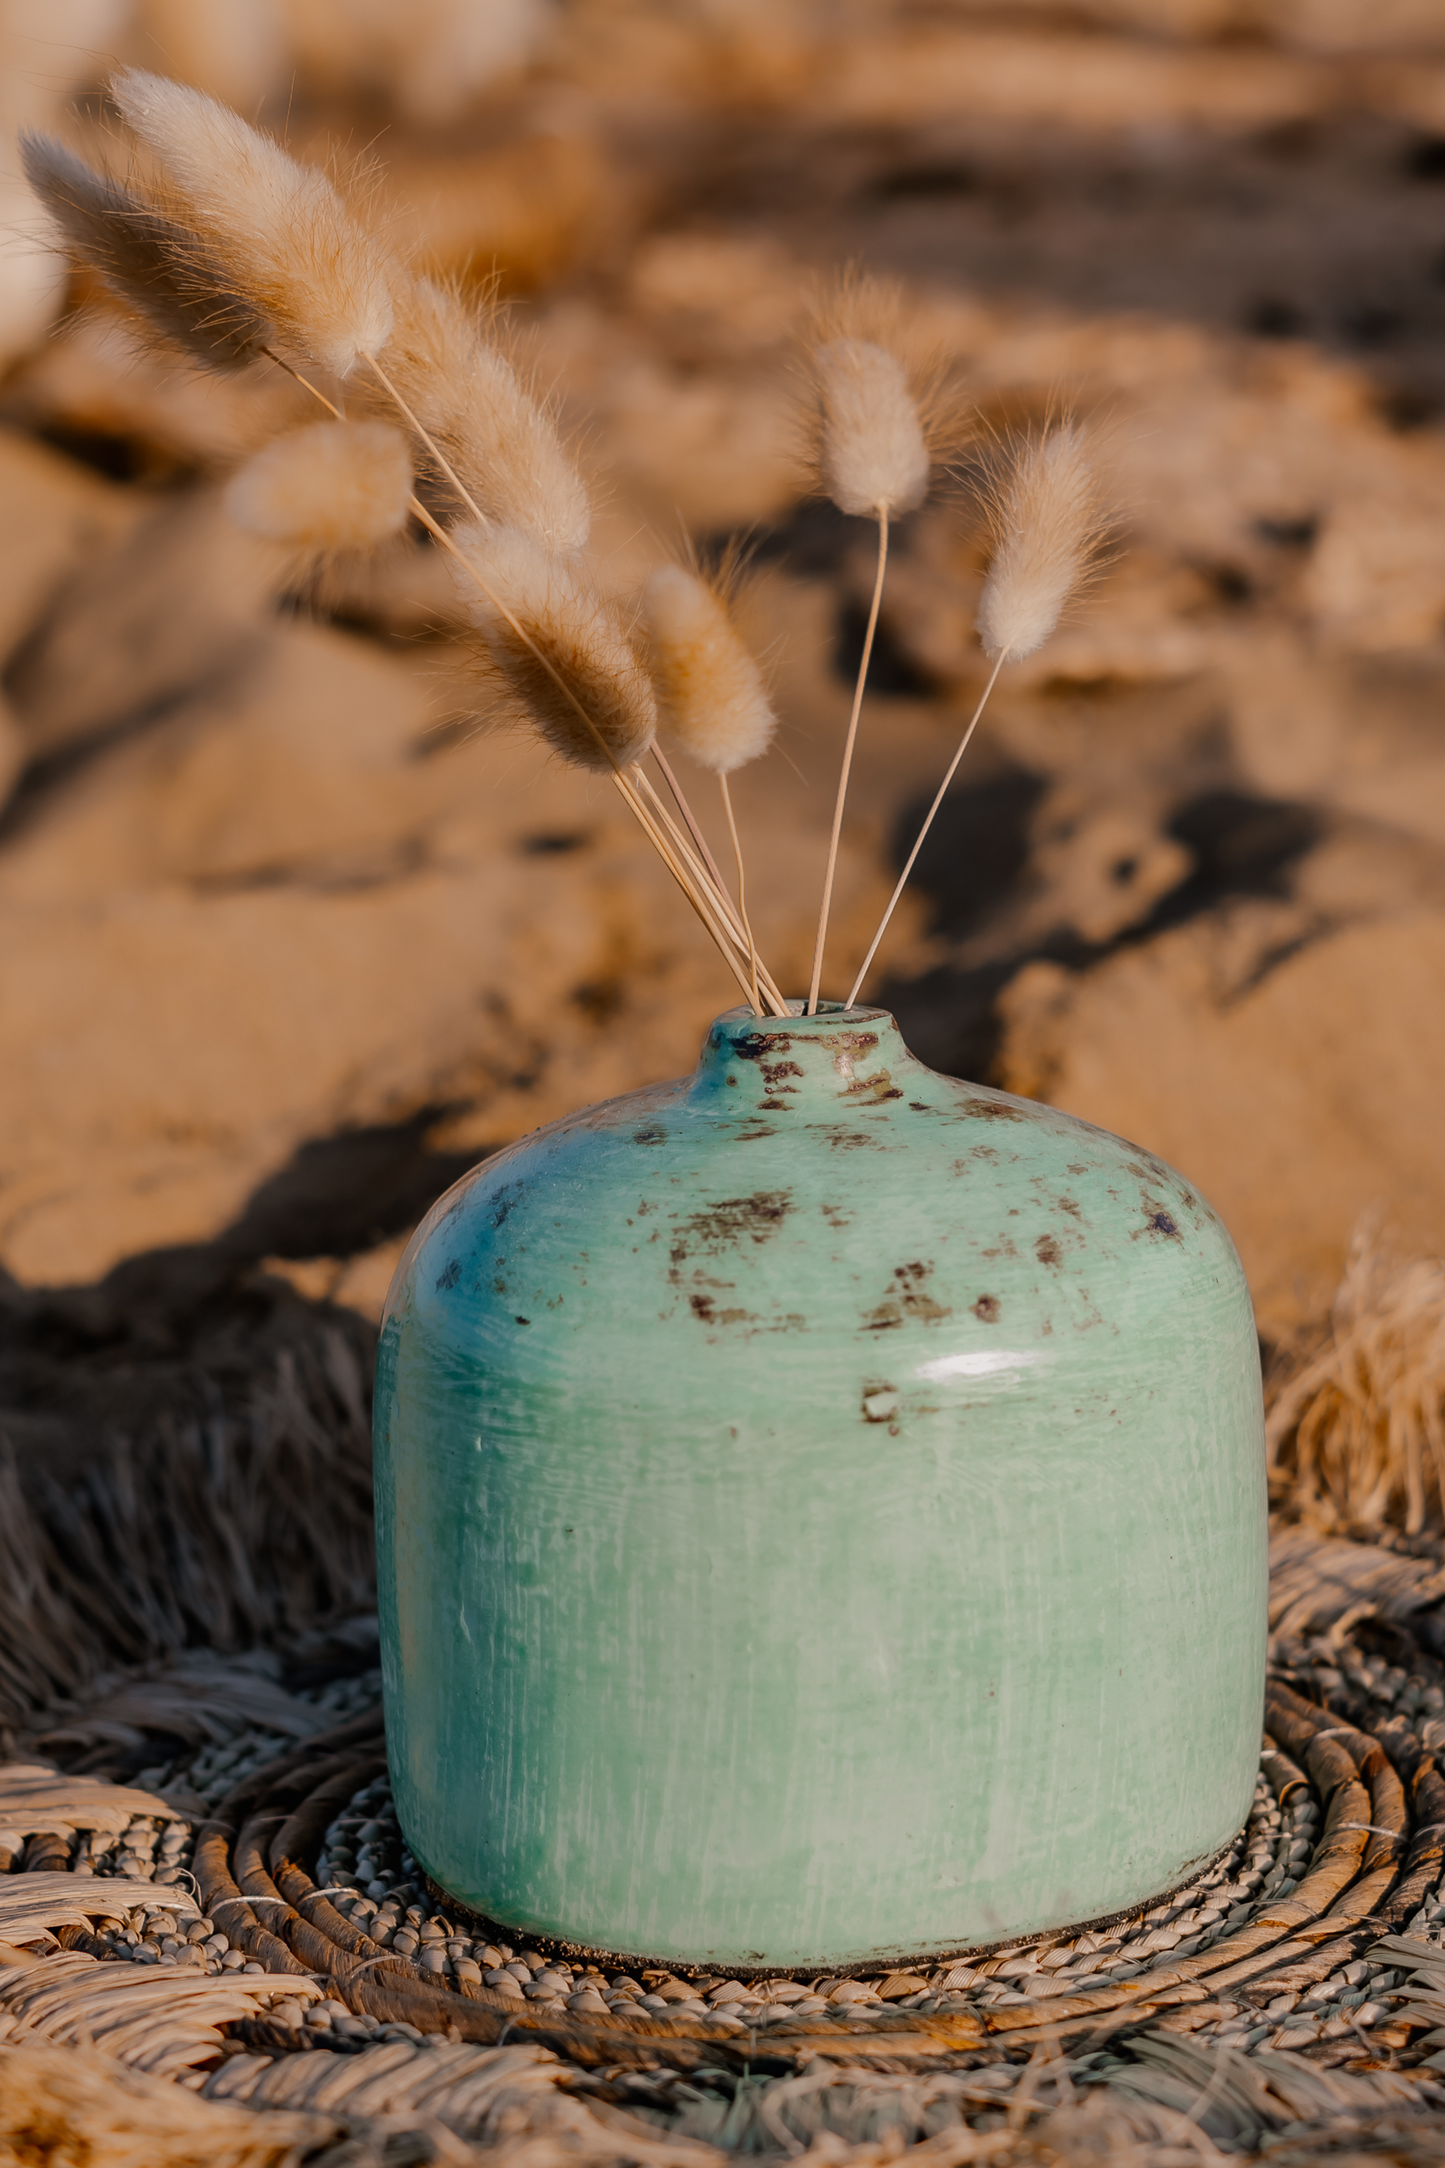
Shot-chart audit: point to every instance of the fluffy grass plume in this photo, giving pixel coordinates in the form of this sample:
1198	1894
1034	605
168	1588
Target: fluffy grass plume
320	288
279	231
498	440
561	650
328	487
153	264
1047	528
711	700
872	457
1356	1433
872	453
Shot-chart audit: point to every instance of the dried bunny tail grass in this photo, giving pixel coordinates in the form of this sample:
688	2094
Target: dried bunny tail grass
1355	1435
328	487
278	230
495	436
711	700
1048	528
884	406
562	651
872	459
152	262
872	454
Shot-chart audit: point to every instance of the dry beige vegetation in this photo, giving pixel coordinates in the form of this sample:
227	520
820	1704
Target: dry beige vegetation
286	920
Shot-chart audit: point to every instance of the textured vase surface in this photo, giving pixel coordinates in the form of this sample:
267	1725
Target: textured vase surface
821	1516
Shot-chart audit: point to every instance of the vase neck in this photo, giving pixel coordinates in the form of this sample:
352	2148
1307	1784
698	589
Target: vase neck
804	1064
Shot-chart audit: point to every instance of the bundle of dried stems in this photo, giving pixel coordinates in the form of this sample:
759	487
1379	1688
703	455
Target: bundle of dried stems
1356	1429
243	258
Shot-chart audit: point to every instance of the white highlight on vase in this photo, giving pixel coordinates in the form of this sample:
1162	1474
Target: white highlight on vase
1005	1365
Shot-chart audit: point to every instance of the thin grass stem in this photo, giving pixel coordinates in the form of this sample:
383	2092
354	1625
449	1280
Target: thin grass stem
713	905
704	903
439	534
719	896
821	942
670	777
683	849
727	799
704	891
701	901
429	441
927	824
305	383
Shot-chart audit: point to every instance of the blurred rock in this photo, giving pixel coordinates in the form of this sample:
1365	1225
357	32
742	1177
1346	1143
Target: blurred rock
48	49
137	414
286	909
246	51
354	1283
1290	1069
32	276
911	70
178	603
57	515
1323	25
12	750
432	62
521	214
235	49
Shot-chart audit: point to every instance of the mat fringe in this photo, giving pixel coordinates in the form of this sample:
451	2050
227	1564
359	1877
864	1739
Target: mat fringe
246	1529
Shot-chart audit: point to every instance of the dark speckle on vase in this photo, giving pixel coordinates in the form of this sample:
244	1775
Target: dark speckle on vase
990	1110
761	1045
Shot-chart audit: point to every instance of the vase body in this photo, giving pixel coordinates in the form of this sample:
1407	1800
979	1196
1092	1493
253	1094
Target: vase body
821	1516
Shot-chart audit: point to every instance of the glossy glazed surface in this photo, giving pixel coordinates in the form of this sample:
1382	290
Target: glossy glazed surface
821	1515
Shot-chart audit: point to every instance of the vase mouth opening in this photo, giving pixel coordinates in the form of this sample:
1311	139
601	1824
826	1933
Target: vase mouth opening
829	1015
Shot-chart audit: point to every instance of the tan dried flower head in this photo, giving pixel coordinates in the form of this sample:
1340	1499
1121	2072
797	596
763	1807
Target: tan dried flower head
1047	526
329	487
150	260
711	700
497	438
278	231
872	454
560	648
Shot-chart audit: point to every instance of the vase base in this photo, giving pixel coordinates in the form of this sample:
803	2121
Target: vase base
479	1927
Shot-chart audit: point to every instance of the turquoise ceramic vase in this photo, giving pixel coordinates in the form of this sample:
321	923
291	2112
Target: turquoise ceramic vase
821	1517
